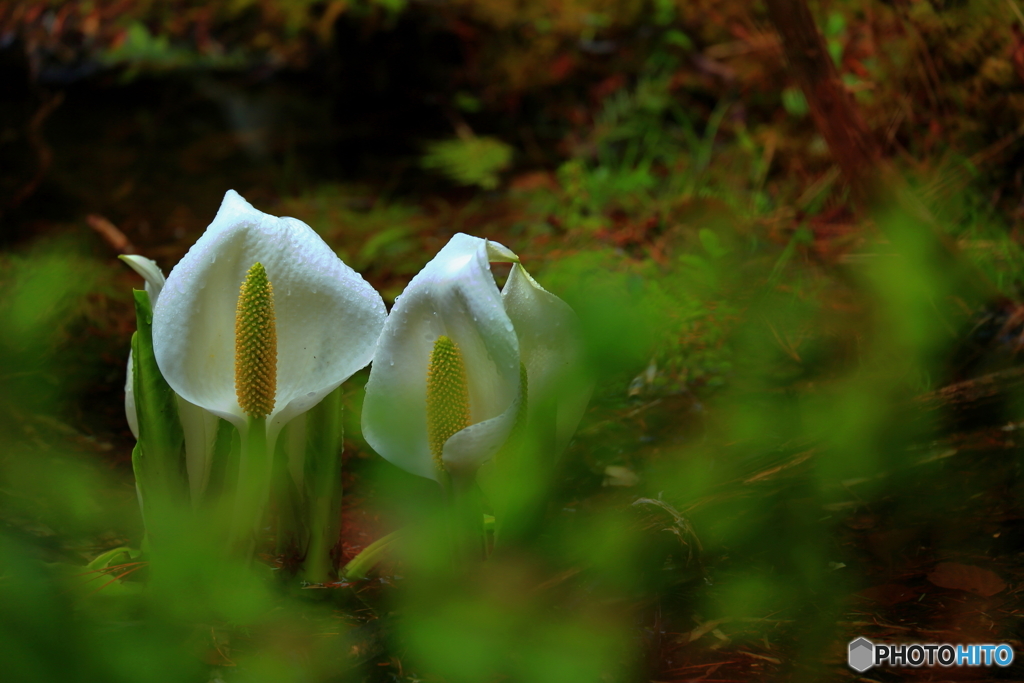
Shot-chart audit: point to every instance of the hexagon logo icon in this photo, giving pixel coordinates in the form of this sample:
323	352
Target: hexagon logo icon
862	655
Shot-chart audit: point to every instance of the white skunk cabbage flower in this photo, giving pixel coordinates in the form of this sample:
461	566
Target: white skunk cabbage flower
444	388
551	350
260	320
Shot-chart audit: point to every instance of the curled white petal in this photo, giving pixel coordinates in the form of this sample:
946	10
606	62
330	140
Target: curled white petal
475	445
154	278
131	413
454	295
327	317
499	253
150	272
551	348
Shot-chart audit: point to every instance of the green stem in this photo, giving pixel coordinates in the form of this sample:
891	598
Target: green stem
526	473
323	486
287	499
253	488
319	565
465	520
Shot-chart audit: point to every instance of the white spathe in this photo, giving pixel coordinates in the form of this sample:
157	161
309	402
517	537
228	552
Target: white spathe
551	348
454	295
327	317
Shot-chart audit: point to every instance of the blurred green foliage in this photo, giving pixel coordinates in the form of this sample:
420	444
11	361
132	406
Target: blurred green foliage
564	601
765	390
469	160
141	51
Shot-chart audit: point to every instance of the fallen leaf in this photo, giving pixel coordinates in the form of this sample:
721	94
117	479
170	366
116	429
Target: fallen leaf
966	577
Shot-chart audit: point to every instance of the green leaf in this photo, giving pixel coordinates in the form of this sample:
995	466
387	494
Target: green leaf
664	12
159	455
389	242
709	240
469	160
794	102
107	558
678	39
323	490
835	25
468	102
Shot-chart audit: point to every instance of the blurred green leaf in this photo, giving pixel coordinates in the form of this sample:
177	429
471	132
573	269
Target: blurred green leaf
794	102
469	160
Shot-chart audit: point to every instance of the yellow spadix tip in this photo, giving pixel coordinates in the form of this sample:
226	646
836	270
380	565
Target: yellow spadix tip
447	395
256	344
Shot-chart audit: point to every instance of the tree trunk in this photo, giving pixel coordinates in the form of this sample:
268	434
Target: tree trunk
873	181
834	112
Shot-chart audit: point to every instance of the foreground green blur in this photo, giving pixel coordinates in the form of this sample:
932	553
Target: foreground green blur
707	527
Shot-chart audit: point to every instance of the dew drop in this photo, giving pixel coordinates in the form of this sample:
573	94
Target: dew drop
391	363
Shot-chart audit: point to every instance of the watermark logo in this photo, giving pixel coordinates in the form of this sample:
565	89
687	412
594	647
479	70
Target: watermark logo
864	654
